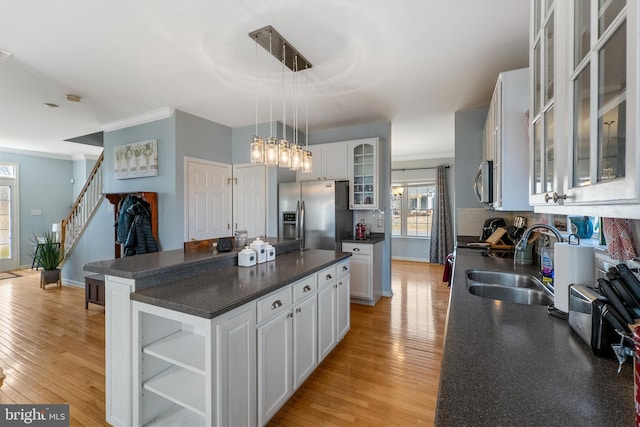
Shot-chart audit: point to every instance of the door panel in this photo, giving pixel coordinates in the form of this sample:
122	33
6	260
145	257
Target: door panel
209	200
9	250
249	201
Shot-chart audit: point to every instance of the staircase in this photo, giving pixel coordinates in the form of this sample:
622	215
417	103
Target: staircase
72	227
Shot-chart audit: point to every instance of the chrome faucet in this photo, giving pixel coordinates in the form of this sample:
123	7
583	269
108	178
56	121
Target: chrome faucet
522	244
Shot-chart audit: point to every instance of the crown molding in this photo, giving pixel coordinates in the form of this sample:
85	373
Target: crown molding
151	116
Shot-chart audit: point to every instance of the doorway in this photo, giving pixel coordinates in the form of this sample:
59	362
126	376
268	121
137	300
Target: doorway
9	218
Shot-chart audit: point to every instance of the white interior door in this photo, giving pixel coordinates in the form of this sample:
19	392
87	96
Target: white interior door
208	199
249	202
9	224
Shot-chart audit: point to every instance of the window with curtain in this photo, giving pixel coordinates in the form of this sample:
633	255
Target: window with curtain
412	210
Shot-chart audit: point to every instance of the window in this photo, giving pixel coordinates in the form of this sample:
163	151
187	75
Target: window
412	210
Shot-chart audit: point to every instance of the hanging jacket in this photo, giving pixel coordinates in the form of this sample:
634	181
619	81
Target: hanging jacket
124	219
140	238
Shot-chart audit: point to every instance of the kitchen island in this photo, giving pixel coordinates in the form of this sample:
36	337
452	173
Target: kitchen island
507	364
183	332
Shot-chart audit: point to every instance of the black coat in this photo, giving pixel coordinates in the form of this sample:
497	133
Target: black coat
140	239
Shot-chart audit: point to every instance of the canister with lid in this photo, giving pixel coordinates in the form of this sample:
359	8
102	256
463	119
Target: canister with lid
260	249
271	252
246	257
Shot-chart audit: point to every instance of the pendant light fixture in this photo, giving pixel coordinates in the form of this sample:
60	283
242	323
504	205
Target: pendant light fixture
307	157
296	150
284	153
257	145
270	150
271	143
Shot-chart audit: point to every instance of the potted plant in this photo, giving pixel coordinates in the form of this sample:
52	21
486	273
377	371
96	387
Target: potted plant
48	255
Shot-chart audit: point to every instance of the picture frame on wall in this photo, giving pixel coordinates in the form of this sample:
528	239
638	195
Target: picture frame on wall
137	160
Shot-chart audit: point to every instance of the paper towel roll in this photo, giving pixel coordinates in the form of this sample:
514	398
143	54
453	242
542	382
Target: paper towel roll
572	264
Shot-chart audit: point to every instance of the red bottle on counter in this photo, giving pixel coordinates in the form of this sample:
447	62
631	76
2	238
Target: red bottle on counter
360	231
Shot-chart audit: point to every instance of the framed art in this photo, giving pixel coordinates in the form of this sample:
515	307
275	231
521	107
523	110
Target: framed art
136	160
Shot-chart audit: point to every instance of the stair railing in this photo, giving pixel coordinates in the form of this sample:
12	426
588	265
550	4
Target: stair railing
73	226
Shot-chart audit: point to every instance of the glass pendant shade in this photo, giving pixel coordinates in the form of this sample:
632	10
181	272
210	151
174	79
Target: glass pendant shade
307	162
271	151
257	150
296	158
284	154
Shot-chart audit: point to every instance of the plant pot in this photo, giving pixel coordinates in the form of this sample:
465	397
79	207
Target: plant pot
50	276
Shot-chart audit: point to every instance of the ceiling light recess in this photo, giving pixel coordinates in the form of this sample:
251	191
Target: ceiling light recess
279	47
73	98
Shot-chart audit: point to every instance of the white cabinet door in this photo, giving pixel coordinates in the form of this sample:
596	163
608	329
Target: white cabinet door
305	340
361	277
209	200
274	365
343	309
335	162
249	201
326	320
363	174
235	352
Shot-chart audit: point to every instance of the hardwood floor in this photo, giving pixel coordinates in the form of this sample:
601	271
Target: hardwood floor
385	371
387	368
51	348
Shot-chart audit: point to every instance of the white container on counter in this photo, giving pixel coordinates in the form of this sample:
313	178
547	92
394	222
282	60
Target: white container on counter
247	257
260	248
573	263
271	252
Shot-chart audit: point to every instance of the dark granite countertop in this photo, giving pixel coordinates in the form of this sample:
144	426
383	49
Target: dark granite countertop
158	263
212	294
372	240
507	364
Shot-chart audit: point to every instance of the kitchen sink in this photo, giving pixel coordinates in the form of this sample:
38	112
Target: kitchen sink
506	286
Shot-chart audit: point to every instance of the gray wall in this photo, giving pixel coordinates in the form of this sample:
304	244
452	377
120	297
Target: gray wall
413	248
45	185
383	132
469	129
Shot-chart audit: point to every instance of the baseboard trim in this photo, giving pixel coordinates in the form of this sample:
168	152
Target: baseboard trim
401	258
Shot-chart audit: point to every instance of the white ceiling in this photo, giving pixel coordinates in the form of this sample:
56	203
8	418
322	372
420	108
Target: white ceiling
412	63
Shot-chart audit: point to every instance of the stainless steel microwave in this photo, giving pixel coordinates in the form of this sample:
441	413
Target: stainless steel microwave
483	185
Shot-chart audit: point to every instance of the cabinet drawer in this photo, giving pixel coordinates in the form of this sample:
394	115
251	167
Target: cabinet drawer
327	276
357	248
274	303
344	268
305	287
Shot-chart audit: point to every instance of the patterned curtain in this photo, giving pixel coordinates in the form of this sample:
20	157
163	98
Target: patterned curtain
441	229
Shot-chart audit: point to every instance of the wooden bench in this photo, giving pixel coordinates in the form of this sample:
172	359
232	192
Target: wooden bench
94	290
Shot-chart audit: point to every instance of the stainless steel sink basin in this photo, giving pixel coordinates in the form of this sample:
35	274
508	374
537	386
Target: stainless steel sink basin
506	286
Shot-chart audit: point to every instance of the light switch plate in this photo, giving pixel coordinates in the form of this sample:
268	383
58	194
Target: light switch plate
36	212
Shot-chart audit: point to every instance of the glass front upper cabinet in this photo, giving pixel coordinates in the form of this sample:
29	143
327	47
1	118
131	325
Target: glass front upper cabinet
544	177
363	168
598	81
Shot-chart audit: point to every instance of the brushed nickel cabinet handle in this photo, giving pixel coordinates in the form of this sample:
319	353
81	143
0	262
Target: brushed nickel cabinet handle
356	249
345	268
276	304
329	277
306	288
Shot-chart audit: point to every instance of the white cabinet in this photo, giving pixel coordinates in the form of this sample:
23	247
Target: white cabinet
172	386
366	271
327	311
343	309
593	122
249	201
506	140
330	161
274	364
234	367
363	174
305	340
287	343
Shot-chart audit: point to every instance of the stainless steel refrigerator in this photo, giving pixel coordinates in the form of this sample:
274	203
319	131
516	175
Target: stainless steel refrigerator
316	212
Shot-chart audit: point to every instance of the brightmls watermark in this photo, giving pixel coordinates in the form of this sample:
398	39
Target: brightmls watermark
34	415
